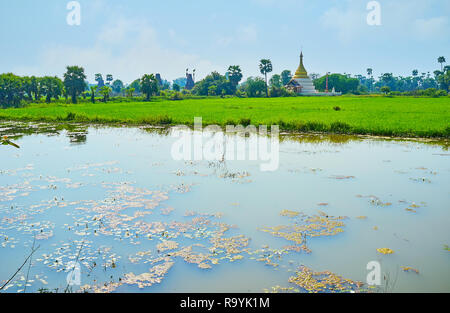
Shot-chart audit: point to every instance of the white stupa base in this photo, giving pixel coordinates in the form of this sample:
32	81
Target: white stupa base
307	85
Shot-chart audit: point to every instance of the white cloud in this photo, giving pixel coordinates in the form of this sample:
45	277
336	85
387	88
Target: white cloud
127	49
346	22
431	28
409	20
247	33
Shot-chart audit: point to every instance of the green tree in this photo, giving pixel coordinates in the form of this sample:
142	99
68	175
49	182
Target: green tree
51	87
341	83
74	81
11	92
385	89
370	74
441	60
234	75
136	84
254	87
176	87
149	85
27	87
275	81
129	91
286	77
212	90
105	92
117	86
214	79
265	66
93	91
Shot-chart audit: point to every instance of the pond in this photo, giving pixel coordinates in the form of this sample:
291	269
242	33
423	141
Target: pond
109	208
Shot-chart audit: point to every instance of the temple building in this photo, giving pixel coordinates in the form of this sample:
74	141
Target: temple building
301	83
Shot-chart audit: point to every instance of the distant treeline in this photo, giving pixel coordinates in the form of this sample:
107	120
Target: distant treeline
16	90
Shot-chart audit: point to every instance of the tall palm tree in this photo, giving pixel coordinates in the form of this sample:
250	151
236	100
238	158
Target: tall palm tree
265	66
370	73
441	60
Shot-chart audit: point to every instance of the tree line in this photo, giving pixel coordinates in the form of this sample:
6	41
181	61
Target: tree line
16	89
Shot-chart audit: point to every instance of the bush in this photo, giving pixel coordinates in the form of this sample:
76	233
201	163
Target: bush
430	92
441	93
176	96
244	121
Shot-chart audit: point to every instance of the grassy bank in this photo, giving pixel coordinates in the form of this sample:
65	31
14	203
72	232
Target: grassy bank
396	116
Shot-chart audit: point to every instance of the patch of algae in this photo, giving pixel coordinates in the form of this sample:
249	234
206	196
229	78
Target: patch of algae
326	281
304	226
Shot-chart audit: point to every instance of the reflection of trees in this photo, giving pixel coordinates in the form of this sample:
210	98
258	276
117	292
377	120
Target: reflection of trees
77	138
318	138
76	133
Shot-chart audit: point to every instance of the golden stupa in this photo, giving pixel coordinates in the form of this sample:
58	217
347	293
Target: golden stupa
301	71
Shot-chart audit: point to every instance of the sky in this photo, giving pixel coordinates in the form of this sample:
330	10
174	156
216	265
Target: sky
130	38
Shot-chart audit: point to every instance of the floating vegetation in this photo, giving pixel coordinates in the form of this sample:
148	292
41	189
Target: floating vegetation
303	226
326	281
374	200
340	177
385	250
409	269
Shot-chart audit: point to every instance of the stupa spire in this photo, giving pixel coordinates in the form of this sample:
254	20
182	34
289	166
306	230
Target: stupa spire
301	71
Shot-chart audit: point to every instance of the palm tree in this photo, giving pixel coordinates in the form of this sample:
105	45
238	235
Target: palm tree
234	75
105	91
370	73
265	66
93	90
441	60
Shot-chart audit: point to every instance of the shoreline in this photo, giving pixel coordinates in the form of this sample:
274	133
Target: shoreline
283	131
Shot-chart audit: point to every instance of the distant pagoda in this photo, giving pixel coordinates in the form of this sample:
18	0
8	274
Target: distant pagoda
301	83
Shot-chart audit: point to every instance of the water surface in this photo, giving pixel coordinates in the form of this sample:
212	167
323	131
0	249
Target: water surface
113	200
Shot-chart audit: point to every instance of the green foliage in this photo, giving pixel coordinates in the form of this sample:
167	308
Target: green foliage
11	92
93	91
136	84
117	86
286	76
105	91
129	92
212	90
341	83
149	85
234	75
275	81
51	87
265	67
74	81
220	82
385	89
254	87
176	87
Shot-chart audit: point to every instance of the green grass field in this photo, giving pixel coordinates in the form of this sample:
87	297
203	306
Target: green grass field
396	116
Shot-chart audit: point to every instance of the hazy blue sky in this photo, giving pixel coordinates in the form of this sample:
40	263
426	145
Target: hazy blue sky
133	37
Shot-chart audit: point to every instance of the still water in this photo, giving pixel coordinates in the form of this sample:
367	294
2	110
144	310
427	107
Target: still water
110	207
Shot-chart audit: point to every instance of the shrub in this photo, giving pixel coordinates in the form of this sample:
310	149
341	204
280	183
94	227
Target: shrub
441	93
176	96
244	121
340	127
